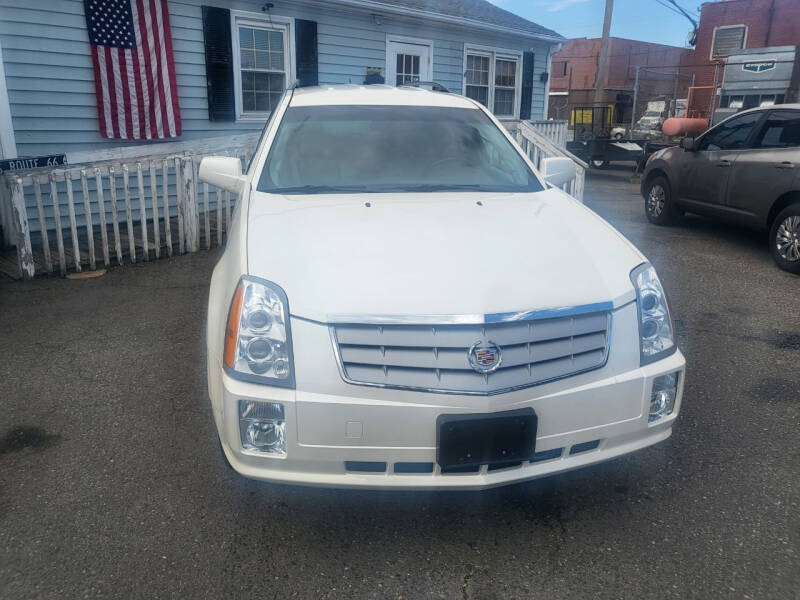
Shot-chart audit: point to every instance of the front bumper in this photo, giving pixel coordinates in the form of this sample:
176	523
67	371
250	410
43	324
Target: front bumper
331	423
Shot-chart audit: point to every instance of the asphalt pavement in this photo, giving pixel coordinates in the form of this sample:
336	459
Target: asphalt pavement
112	484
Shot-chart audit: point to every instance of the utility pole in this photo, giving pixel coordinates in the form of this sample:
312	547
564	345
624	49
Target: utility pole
602	63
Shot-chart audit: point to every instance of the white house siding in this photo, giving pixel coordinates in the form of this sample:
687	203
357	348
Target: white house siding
51	82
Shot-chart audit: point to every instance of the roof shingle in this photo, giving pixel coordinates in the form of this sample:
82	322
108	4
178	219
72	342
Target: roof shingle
475	10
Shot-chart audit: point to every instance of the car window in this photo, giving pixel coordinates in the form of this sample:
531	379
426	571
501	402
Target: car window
330	149
730	135
781	130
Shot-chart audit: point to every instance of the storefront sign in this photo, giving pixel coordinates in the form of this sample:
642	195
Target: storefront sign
759	67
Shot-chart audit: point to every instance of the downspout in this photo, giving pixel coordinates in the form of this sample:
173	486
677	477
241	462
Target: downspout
770	16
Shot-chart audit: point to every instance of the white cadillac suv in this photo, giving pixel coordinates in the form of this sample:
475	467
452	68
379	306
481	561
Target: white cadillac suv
405	302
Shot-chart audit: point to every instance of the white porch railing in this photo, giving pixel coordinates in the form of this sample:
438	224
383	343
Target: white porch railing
538	146
138	202
555	131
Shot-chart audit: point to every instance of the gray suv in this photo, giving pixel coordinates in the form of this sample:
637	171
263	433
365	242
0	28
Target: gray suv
745	170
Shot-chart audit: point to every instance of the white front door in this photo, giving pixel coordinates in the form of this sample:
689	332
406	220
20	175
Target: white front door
407	62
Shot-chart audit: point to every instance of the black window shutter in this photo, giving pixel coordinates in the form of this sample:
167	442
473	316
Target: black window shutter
219	64
527	86
305	41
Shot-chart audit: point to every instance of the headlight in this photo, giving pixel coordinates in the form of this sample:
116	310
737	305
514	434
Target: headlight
655	323
258	336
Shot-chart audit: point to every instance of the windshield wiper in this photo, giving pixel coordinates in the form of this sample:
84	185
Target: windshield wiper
438	187
319	189
385	189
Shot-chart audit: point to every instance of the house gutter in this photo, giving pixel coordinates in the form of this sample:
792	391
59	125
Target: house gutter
379	7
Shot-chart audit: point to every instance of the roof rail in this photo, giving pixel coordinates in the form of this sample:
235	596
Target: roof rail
435	86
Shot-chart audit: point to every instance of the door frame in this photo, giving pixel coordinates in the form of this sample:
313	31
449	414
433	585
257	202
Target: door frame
391	62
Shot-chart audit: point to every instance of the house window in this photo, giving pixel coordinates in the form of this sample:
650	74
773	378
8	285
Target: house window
262	64
477	78
492	78
560	69
505	85
727	40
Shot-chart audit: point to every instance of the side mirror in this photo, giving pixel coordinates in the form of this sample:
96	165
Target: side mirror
687	144
558	170
224	172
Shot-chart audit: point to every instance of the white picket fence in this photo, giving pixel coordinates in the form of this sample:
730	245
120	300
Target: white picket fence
134	205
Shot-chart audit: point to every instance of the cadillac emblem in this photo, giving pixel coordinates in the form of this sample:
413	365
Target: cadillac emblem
484	357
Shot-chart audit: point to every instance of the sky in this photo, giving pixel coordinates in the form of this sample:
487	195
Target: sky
644	20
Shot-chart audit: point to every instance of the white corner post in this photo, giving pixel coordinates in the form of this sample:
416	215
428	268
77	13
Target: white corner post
546	103
8	149
8	145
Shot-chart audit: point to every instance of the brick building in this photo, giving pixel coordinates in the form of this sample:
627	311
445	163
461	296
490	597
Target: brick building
725	27
731	25
574	73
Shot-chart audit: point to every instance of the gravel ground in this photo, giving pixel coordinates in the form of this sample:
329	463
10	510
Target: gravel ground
112	485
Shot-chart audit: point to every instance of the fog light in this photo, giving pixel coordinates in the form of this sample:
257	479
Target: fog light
662	398
262	427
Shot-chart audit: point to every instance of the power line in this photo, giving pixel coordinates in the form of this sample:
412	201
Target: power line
668	7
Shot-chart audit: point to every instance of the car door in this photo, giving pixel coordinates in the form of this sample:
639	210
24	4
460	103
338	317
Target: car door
767	170
705	172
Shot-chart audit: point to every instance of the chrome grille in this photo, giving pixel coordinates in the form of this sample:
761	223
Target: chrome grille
435	357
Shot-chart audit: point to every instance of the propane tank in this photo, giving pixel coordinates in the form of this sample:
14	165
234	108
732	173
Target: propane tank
684	126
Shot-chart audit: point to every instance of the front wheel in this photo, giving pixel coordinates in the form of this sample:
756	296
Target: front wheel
784	239
658	204
598	164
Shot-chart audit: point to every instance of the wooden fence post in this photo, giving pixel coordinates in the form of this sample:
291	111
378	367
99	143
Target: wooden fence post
62	258
191	215
23	234
179	199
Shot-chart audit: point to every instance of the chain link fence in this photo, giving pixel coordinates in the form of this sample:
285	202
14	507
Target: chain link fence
659	93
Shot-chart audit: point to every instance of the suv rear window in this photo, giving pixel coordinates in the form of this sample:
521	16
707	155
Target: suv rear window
341	149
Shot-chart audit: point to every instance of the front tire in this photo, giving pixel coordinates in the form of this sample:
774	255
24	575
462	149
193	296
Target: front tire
598	164
784	239
658	204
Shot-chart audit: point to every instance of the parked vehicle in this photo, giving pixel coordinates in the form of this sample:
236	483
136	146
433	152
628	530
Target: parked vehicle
651	121
745	170
404	301
600	152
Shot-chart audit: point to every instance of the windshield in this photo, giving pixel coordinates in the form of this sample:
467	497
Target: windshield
330	149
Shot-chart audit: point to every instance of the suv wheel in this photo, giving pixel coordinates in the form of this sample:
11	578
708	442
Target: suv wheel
658	205
784	239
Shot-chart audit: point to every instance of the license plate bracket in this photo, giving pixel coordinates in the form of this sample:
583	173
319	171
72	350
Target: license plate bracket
470	440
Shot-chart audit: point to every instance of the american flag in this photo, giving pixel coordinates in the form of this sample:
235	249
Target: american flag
134	73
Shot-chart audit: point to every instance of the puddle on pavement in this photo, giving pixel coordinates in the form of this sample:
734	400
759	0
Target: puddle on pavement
23	436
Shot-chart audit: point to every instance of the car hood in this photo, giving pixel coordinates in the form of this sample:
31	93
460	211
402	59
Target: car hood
436	254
